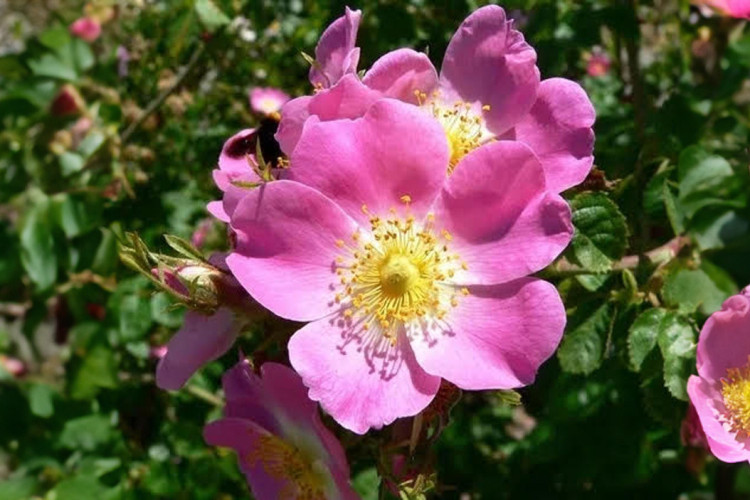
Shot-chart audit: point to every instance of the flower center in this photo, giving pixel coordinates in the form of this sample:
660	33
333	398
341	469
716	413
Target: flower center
463	127
399	271
283	461
736	393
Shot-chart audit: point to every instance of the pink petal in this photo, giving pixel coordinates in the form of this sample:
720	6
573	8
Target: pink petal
243	436
216	208
558	129
496	337
294	114
724	342
503	223
358	377
201	340
394	150
349	98
488	62
233	160
721	441
286	248
399	73
275	399
336	54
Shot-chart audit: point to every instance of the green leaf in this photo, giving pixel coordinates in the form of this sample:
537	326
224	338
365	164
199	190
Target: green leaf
75	214
21	488
38	252
366	483
98	370
40	400
677	344
71	163
50	65
713	231
674	211
135	317
105	259
600	232
183	247
643	335
704	180
86	433
82	54
55	38
210	15
164	311
91	143
704	289
80	488
581	349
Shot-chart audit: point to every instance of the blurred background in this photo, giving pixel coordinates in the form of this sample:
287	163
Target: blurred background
120	133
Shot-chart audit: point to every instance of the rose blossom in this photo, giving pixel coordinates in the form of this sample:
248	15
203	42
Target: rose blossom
405	275
721	390
732	8
86	28
488	89
284	449
268	101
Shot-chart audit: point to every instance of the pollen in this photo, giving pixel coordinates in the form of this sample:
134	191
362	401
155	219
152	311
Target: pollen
736	393
398	271
464	127
284	462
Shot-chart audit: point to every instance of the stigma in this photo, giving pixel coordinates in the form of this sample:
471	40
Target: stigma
399	271
464	128
736	393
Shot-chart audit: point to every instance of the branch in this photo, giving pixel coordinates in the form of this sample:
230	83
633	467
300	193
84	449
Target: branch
154	105
659	255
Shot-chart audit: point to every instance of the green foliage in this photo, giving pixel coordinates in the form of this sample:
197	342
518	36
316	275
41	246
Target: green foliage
662	236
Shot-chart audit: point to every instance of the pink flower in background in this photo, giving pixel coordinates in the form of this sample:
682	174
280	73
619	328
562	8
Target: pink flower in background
268	101
123	58
405	275
721	390
14	366
283	448
732	8
198	238
598	64
488	89
86	28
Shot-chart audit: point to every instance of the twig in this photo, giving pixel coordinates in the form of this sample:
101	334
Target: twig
13	309
205	395
154	105
659	255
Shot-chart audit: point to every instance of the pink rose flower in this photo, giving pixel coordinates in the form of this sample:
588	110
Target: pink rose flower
488	89
268	101
732	8
86	28
283	448
405	275
721	390
598	64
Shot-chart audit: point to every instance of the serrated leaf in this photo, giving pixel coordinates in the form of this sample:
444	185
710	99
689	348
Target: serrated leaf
674	213
210	15
677	345
704	289
714	230
643	335
135	317
600	232
50	65
98	370
582	349
86	433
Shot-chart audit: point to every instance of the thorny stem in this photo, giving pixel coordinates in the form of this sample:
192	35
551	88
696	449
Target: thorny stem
154	105
659	255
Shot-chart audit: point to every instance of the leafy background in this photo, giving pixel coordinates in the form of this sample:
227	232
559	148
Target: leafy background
662	239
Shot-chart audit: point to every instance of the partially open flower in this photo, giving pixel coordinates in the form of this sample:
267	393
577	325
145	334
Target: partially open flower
283	448
268	101
405	275
68	101
488	89
732	8
86	28
721	390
